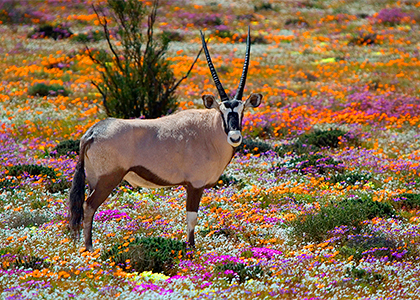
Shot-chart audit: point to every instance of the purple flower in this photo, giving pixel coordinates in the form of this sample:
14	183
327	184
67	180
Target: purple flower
391	16
111	214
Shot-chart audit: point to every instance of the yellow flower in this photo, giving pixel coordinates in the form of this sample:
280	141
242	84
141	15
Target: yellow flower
149	275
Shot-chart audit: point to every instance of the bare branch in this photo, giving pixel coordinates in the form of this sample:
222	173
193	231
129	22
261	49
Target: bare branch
103	95
188	73
107	71
107	36
151	21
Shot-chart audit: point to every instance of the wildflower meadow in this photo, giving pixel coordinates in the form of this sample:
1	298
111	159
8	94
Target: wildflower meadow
321	201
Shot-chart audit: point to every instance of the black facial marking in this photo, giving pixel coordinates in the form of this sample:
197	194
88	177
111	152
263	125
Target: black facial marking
224	124
236	140
233	121
235	103
233	118
231	104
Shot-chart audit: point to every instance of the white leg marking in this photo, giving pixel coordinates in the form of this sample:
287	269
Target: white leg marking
191	222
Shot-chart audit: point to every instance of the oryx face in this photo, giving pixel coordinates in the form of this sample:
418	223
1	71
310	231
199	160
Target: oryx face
232	110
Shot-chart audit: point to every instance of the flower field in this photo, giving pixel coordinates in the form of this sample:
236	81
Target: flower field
321	202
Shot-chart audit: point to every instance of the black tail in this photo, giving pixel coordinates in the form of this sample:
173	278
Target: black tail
77	194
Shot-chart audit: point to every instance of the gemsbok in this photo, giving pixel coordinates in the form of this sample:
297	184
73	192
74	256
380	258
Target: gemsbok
190	148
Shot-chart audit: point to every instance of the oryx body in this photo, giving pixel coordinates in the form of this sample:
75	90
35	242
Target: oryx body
189	148
172	150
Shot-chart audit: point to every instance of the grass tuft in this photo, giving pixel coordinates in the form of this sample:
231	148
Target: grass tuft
313	163
407	201
363	276
66	148
352	178
42	90
30	262
32	170
376	245
238	271
156	254
349	212
315	141
254	146
27	219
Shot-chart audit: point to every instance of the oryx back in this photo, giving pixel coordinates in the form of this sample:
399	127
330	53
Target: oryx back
184	148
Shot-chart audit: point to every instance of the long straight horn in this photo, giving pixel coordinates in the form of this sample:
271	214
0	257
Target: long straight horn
222	93
241	87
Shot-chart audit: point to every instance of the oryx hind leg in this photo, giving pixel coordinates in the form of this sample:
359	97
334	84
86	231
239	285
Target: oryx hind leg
193	202
100	192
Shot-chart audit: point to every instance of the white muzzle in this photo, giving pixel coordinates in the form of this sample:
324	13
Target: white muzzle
234	138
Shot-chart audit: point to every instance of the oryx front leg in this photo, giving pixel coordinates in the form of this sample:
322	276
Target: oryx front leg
193	202
103	188
191	222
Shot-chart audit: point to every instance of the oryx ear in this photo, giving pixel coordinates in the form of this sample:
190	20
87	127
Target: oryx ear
210	101
254	100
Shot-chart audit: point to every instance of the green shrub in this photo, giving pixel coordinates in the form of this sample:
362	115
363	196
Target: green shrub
349	212
364	276
53	183
38	203
173	35
297	22
261	40
66	148
315	141
223	33
208	20
15	12
218	231
56	32
30	262
406	200
238	271
26	219
6	250
266	199
58	186
226	180
306	77
323	138
263	6
7	184
254	146
313	163
33	170
363	39
247	254
42	89
137	80
376	245
156	254
222	69
88	37
350	178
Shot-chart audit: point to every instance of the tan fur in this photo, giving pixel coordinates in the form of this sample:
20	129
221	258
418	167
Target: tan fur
186	147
